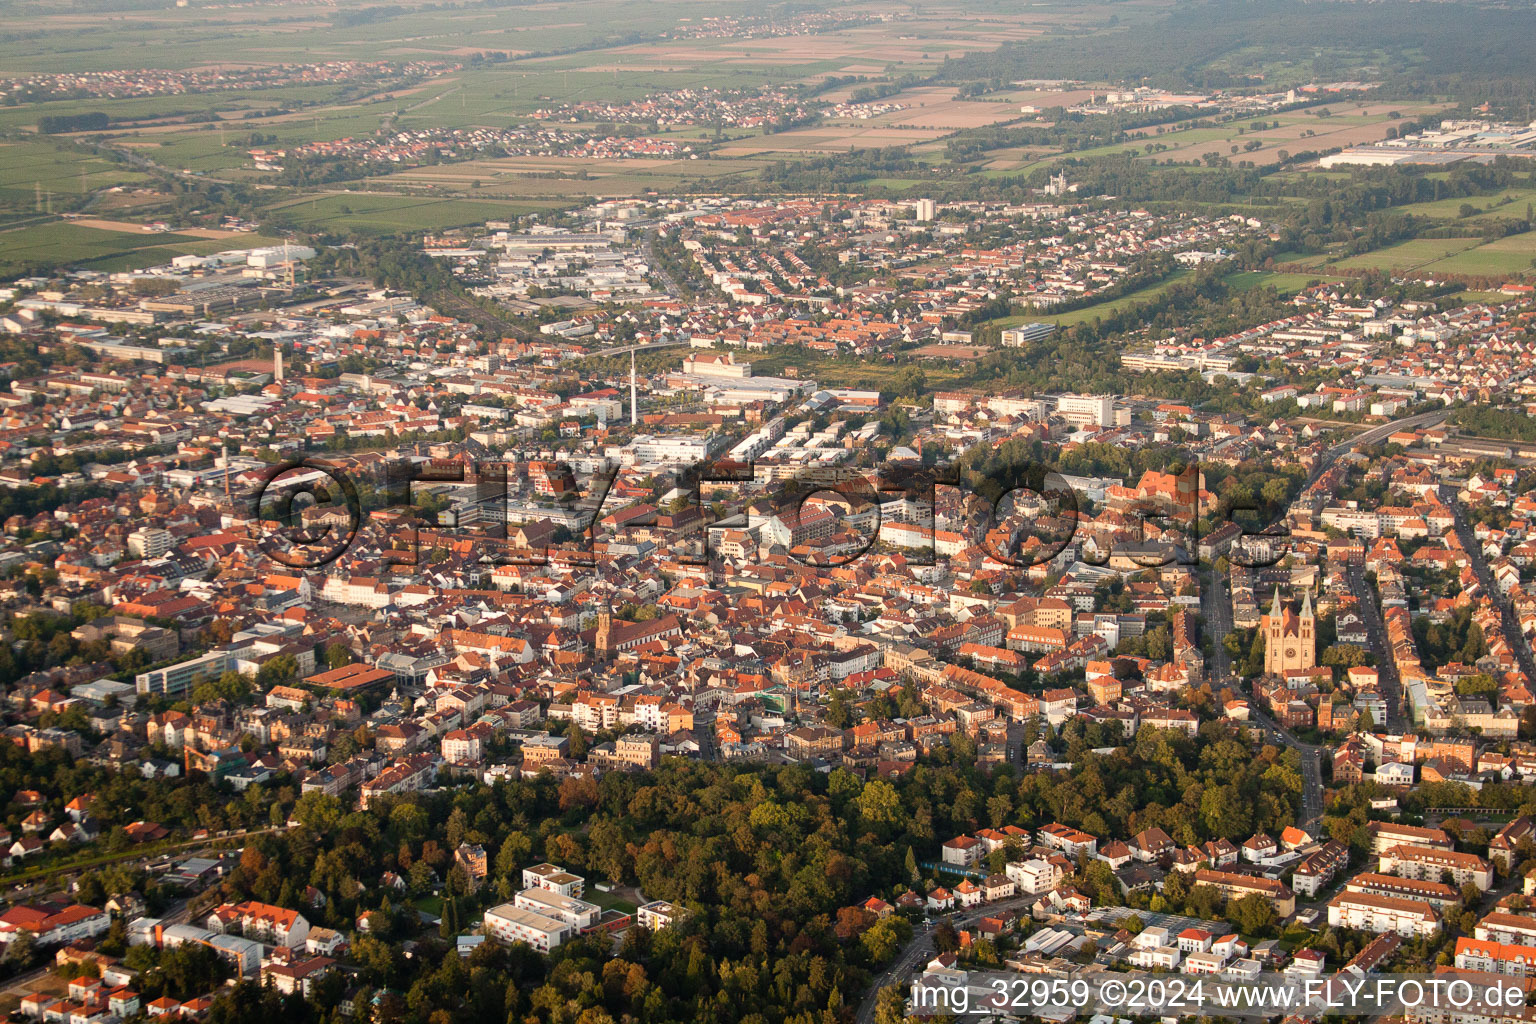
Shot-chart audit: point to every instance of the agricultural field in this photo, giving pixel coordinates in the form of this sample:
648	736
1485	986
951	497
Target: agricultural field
1415	254
172	37
1505	205
533	177
388	214
1345	124
27	165
1512	254
108	248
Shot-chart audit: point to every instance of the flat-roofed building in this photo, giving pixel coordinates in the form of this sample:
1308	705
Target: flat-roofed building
657	914
555	879
510	923
579	914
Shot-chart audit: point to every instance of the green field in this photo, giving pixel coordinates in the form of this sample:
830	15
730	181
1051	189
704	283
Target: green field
1411	255
61	243
1098	309
38	176
1513	254
1507	204
1285	284
386	214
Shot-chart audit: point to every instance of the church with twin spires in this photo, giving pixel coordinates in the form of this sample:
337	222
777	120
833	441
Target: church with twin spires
1290	639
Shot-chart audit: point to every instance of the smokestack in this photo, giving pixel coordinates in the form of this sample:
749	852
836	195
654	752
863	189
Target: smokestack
277	363
224	457
634	395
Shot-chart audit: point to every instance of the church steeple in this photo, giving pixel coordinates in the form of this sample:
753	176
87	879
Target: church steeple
1306	604
1274	607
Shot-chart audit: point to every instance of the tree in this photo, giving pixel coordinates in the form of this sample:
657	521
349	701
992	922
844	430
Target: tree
1252	914
514	851
20	949
879	803
337	655
279	670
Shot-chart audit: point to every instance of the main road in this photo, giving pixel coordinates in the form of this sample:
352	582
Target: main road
1386	665
1374	436
1512	635
919	950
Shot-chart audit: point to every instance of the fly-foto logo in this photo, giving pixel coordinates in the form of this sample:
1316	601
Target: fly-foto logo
1019	515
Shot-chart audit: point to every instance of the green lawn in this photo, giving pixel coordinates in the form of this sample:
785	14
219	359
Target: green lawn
608	901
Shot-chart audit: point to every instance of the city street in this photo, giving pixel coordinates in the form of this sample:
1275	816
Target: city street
919	950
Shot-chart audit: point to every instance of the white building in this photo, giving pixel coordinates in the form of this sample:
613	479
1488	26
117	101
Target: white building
656	915
579	914
1024	334
509	923
1033	877
1428	864
555	879
1087	410
1368	913
150	542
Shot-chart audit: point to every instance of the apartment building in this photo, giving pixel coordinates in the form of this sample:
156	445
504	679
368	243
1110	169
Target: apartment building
1235	886
509	923
1512	929
1436	894
1385	835
1068	840
1426	863
1495	957
579	914
555	879
1369	913
656	915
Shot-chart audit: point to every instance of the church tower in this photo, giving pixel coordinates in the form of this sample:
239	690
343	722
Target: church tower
1308	621
604	640
1290	639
